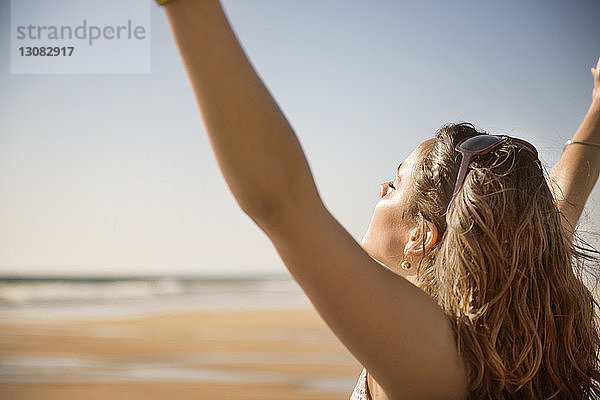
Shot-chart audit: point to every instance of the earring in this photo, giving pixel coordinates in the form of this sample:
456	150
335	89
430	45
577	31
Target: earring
405	264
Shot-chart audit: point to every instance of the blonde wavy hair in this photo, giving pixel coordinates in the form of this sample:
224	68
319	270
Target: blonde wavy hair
507	274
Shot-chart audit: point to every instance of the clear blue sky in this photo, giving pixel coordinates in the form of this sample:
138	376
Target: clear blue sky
104	174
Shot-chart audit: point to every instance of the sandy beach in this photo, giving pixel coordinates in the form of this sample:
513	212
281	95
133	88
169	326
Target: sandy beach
228	354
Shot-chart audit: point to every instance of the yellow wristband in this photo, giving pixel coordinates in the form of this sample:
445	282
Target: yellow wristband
579	142
163	2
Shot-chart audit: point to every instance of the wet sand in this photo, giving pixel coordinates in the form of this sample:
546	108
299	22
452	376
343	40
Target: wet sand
256	354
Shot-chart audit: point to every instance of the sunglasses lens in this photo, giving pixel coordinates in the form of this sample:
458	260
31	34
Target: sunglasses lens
479	143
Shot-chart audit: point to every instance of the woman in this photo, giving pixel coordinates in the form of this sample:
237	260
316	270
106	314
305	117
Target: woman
479	298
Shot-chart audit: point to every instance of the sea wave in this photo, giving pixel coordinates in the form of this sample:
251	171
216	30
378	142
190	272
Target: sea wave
41	297
22	293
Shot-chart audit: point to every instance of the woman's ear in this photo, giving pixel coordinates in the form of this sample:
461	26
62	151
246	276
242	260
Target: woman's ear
414	245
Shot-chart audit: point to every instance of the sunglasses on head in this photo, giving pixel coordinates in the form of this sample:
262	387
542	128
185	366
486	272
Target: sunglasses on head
476	146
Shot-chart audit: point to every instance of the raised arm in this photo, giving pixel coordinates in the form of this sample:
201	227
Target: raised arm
393	328
255	146
576	172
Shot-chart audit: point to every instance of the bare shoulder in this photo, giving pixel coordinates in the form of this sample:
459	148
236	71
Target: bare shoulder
397	331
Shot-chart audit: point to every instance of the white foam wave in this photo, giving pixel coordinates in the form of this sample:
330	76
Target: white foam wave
22	293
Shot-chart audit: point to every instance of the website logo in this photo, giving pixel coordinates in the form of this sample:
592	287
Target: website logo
80	36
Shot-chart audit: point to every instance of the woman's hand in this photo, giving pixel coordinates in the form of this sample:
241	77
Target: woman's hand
596	75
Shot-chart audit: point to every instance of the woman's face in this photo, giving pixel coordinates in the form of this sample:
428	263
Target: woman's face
388	231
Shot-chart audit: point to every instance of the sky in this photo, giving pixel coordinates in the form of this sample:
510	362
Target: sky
104	174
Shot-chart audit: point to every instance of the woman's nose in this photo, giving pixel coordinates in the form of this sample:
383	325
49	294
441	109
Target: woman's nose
383	188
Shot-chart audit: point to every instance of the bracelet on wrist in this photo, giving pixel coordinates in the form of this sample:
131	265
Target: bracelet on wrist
568	142
163	2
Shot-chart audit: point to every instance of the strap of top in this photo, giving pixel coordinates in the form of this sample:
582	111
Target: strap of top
361	390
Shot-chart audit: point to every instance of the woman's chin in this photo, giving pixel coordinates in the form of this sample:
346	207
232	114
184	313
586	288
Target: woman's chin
365	244
364	240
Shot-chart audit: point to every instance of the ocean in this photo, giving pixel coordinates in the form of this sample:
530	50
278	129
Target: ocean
42	298
74	337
